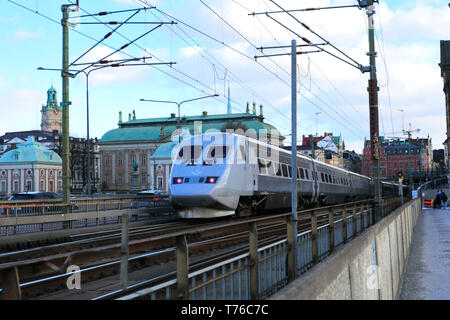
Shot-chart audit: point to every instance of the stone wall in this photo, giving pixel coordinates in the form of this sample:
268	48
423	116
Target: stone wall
370	267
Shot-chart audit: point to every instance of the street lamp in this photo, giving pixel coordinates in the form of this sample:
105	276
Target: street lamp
179	105
118	63
403	121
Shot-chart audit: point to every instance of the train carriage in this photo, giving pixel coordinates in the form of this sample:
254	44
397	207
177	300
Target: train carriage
220	174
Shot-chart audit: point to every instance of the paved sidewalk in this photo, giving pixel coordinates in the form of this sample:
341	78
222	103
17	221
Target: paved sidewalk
427	274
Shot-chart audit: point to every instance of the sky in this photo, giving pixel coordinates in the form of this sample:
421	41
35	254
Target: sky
213	46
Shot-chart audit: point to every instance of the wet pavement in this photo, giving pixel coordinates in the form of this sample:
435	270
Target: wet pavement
427	274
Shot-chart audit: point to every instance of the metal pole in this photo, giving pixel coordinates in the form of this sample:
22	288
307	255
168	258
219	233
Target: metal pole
409	160
65	107
124	253
88	165
373	111
292	243
182	267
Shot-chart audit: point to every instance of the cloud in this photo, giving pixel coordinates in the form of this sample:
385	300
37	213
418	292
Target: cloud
107	75
22	34
27	104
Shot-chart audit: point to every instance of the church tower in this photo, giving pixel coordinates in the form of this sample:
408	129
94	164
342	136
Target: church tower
51	113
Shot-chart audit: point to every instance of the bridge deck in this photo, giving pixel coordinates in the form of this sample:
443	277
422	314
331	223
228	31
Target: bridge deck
427	274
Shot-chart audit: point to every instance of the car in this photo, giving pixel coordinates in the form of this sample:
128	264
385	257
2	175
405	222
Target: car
34	195
151	192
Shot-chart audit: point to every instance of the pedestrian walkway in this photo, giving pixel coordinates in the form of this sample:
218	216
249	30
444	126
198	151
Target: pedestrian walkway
427	274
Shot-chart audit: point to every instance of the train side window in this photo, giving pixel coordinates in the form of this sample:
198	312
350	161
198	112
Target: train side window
285	171
278	169
289	169
262	166
298	173
306	174
323	178
302	174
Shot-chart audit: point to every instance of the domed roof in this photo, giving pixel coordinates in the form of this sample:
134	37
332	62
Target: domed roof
51	89
31	151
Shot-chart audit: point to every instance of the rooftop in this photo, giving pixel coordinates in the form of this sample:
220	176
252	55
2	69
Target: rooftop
30	151
158	129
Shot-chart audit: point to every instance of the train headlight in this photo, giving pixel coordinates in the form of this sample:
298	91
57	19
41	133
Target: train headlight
177	180
211	179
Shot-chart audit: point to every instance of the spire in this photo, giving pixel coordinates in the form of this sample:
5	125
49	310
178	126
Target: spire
120	117
254	107
248	108
52	100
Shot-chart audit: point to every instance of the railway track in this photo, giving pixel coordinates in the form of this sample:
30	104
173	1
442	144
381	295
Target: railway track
44	274
43	270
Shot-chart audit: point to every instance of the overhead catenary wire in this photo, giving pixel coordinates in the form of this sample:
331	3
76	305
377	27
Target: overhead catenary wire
154	67
212	10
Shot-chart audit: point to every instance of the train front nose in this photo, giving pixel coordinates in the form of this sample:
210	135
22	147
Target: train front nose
207	192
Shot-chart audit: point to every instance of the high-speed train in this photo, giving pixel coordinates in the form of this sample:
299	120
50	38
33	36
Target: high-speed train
221	174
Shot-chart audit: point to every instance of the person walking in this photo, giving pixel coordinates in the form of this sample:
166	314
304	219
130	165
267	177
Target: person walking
444	200
437	200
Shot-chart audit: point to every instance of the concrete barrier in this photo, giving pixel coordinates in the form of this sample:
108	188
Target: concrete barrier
370	267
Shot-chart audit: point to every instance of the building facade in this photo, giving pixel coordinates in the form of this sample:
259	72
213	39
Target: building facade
147	143
326	148
51	137
445	74
30	167
399	155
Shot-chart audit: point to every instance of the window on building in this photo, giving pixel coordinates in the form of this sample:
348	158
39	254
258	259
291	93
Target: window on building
159	182
144	177
120	180
41	185
29	186
16	186
119	160
3	186
143	159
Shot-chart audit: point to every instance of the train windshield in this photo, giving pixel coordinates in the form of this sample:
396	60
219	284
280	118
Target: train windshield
216	154
190	154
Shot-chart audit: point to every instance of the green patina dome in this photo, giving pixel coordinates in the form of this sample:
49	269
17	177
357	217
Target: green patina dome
164	150
31	151
155	129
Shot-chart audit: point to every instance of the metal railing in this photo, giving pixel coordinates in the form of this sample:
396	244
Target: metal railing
253	271
261	271
23	216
